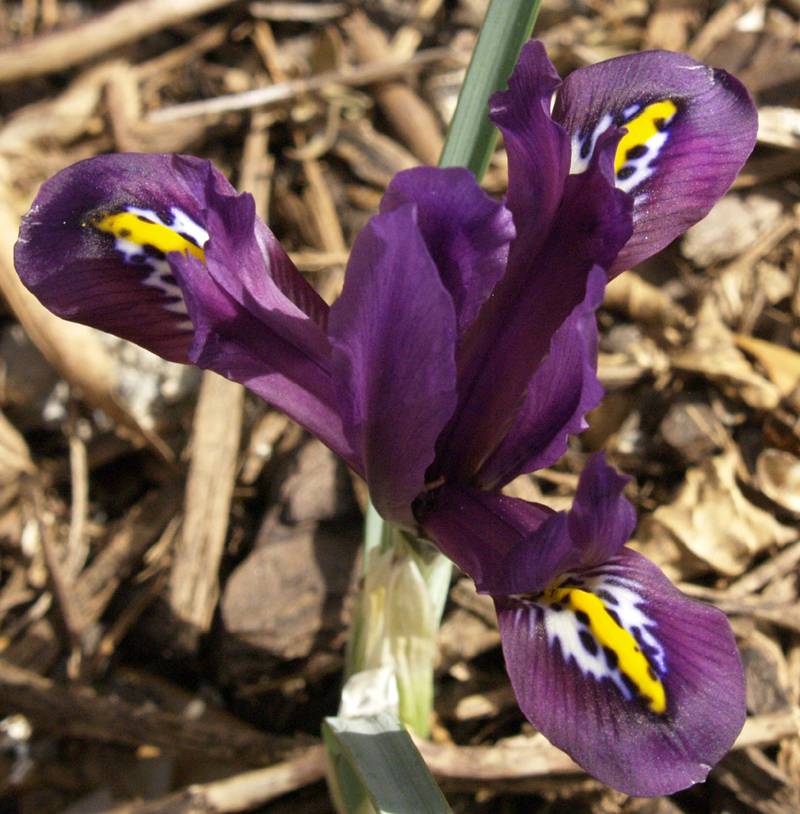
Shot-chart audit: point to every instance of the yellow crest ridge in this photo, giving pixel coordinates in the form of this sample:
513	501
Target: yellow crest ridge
135	229
651	121
612	637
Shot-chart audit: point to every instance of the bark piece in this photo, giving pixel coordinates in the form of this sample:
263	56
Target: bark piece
194	580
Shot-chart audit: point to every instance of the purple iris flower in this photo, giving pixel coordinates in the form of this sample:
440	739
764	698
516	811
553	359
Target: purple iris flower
461	354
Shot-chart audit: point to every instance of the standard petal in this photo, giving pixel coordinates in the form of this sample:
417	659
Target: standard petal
467	232
538	148
393	331
601	519
690	130
596	527
93	246
511	336
477	529
561	392
639	684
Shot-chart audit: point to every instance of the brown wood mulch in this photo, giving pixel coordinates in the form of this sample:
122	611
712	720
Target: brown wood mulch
178	561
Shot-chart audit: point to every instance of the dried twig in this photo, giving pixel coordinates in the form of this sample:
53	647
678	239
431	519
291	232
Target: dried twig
240	793
194	581
77	543
316	12
410	116
285	91
125	23
139	529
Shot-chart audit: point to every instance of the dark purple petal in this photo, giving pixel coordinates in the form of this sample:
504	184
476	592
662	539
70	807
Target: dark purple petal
601	519
97	247
596	527
691	128
248	263
258	321
162	251
89	275
534	561
641	685
281	355
477	529
393	331
467	232
538	148
559	395
512	334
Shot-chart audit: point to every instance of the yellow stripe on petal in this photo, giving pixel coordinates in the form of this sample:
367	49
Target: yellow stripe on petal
650	122
136	229
143	239
621	651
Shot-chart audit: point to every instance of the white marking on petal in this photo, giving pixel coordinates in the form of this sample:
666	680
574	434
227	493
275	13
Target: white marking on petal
578	162
630	112
621	599
643	166
161	276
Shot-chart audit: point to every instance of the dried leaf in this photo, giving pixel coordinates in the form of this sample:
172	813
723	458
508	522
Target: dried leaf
714	520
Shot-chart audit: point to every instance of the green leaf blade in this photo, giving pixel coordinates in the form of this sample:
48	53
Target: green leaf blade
506	28
377	753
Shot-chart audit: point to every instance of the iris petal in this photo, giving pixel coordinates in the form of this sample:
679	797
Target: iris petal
561	392
601	518
512	334
93	247
538	147
467	233
282	356
596	527
690	130
393	331
477	530
641	685
162	251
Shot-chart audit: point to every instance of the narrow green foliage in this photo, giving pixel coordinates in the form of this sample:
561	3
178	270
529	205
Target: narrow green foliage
373	766
507	27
